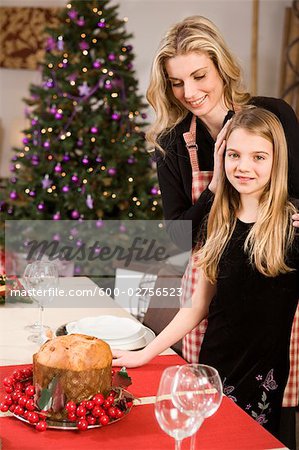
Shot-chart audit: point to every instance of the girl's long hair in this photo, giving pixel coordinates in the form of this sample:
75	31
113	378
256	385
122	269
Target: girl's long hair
272	234
193	34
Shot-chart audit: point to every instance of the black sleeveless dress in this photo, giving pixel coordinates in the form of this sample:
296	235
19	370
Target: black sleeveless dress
249	328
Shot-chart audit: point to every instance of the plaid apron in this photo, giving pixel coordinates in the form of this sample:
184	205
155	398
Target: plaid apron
192	341
200	180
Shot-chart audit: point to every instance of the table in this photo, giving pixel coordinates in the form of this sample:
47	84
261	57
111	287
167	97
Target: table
229	429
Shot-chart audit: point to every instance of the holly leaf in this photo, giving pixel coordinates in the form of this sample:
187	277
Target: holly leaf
121	378
45	400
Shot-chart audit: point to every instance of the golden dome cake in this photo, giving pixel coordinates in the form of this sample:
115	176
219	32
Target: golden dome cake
72	368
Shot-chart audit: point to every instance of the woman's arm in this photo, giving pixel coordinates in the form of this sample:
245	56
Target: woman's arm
183	322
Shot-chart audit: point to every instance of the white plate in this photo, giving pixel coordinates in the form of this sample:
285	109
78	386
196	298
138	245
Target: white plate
137	345
106	327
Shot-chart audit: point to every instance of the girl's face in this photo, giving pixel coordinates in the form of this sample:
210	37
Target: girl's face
196	83
248	162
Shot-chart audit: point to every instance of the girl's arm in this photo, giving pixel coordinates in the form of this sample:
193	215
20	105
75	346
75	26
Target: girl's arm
183	322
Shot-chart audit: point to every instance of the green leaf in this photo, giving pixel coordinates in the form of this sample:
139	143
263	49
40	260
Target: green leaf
121	378
254	414
45	401
260	405
264	396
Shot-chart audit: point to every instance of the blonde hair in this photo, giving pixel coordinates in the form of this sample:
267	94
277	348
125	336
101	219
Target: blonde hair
272	234
193	34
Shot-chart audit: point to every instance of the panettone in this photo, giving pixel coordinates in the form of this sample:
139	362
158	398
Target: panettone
80	365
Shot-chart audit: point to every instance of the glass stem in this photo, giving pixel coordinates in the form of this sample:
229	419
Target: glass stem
41	318
193	441
178	445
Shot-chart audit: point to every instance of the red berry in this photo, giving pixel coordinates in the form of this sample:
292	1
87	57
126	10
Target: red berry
25	415
19	386
112	372
112	412
72	416
4	407
71	406
119	413
97	411
8	381
83	403
91	420
81	411
98	399
129	404
26	373
19	411
104	420
22	401
17	376
30	404
8	389
30	390
90	404
12	408
82	424
106	404
33	417
7	400
41	426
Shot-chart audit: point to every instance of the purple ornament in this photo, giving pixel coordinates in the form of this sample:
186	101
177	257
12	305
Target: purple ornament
32	194
94	130
75	178
101	24
60	44
99	159
144	116
12	168
111	57
35	160
131	160
99	223
46	182
81	22
112	171
65	189
3	206
66	157
13	195
85	160
58	116
130	66
25	140
57	216
129	48
50	44
75	214
84	45
154	191
34	122
13	180
58	168
115	116
41	206
73	14
53	110
97	64
79	142
50	83
46	144
108	85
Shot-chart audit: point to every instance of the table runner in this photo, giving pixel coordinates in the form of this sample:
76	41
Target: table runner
229	429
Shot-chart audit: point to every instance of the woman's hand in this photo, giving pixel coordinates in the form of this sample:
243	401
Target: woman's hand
218	157
295	218
128	358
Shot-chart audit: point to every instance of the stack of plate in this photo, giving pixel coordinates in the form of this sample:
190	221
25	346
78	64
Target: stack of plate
119	332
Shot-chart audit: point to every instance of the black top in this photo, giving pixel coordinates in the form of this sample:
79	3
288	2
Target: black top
175	173
249	328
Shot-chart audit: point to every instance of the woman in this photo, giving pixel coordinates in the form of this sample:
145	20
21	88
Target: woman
196	86
249	272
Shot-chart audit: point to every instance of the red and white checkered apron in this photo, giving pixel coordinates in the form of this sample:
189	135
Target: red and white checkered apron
200	180
192	341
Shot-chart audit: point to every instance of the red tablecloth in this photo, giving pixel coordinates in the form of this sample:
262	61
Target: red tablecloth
229	429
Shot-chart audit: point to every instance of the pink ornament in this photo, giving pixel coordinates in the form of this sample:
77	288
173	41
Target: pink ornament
25	140
75	178
99	159
115	116
32	194
101	24
81	22
84	45
58	116
111	57
65	189
97	64
89	202
73	14
75	214
79	142
66	157
13	180
58	168
94	130
154	191
34	122
13	195
46	144
131	160
53	110
57	216
112	171
85	160
41	206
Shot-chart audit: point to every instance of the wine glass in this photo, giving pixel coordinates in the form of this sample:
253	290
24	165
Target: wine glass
41	279
172	420
197	389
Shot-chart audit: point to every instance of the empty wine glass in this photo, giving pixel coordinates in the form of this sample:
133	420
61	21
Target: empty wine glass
197	389
172	420
40	280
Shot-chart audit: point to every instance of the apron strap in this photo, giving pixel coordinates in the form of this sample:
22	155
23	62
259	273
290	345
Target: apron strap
192	147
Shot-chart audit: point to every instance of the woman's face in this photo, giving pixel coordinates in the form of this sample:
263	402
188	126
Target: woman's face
196	83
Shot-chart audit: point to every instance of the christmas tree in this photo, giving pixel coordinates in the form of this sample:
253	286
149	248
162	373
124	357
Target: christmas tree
84	154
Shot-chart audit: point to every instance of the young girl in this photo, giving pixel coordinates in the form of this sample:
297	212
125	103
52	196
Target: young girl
248	272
